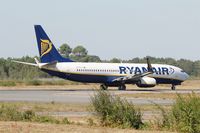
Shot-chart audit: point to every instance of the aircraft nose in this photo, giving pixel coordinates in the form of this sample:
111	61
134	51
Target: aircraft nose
185	76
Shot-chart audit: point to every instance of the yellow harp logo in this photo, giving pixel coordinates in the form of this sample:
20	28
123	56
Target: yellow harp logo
46	47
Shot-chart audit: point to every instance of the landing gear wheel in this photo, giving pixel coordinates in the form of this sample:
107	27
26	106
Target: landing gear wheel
122	87
103	87
173	87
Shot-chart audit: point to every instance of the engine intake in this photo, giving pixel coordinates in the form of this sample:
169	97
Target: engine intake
146	82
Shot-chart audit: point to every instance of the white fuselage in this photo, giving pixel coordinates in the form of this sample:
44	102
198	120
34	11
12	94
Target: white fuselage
110	71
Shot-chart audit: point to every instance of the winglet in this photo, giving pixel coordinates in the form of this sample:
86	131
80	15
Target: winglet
149	67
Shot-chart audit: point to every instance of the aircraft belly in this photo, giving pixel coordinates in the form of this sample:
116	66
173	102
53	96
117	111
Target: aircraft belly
168	81
56	73
89	78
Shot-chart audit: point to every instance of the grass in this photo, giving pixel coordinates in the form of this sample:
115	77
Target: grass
25	112
115	112
50	107
7	83
37	82
184	116
48	82
12	113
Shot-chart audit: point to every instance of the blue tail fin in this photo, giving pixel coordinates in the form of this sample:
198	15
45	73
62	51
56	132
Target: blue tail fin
47	51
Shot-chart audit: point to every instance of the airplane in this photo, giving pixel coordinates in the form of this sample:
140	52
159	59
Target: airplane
107	74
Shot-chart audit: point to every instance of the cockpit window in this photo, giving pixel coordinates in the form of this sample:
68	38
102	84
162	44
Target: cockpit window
182	71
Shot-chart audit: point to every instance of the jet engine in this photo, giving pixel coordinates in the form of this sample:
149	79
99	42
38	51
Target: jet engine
146	82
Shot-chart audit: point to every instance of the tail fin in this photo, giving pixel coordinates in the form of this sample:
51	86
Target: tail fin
47	51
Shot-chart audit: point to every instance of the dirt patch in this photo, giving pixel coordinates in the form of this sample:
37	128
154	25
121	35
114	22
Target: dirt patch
155	95
10	127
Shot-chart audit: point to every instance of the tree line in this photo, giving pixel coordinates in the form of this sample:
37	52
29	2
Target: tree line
14	71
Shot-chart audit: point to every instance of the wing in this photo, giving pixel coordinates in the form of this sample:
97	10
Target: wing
136	77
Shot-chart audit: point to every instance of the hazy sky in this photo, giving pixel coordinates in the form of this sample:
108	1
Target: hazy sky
107	28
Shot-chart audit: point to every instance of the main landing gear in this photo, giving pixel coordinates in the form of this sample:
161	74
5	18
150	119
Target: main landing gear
173	87
103	87
122	87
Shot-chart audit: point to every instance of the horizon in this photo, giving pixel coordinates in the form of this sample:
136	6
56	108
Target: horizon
108	59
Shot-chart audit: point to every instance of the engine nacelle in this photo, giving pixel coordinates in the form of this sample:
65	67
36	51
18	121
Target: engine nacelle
146	82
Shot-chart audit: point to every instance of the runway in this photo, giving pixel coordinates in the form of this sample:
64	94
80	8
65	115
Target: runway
82	96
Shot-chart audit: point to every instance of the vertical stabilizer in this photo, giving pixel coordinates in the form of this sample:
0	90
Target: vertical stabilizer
47	51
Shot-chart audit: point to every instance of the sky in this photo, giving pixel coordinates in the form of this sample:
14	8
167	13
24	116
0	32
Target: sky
107	28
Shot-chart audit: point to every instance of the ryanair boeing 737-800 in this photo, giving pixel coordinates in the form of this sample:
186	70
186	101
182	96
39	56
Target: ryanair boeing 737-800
107	74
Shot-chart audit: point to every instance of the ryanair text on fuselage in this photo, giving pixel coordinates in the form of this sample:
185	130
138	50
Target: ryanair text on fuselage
139	70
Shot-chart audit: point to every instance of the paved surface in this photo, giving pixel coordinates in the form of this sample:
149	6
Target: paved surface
81	96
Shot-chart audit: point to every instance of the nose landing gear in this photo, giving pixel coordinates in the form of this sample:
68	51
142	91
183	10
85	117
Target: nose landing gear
173	87
103	87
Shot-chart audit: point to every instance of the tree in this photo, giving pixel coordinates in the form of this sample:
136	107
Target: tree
80	51
65	50
93	58
134	60
115	60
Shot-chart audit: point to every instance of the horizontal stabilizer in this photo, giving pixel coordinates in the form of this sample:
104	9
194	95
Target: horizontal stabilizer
40	65
26	63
